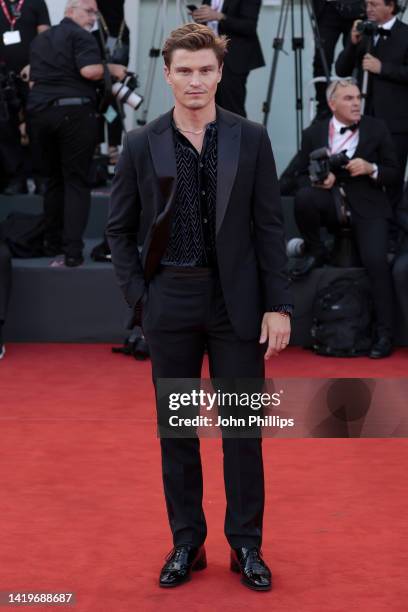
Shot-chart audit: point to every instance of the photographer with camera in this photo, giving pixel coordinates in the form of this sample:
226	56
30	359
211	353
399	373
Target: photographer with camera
379	48
367	165
66	66
20	22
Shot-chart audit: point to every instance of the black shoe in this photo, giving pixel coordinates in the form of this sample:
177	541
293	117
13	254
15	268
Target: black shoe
16	187
381	348
249	563
2	350
51	249
180	562
40	187
72	261
307	265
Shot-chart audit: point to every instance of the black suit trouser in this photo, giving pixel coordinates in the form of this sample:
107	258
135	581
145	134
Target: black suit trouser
67	136
314	207
5	280
183	314
400	276
401	146
231	91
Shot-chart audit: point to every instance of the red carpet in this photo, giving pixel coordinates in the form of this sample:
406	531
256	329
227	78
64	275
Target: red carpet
81	506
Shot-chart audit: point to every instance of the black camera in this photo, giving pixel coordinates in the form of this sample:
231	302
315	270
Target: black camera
322	163
368	28
10	100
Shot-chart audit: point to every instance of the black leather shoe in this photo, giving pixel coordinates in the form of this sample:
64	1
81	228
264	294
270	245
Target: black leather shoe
180	562
306	266
73	261
249	563
381	348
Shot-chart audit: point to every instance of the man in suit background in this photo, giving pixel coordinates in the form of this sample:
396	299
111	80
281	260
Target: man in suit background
385	57
237	19
212	274
372	166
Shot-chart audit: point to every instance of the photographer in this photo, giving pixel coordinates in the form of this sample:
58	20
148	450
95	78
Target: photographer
334	19
20	22
237	19
384	55
372	165
66	65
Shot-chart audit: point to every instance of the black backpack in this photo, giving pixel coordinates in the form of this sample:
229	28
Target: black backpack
342	318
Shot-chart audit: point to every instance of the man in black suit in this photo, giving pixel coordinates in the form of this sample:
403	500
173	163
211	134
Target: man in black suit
5	288
372	166
212	274
238	20
385	57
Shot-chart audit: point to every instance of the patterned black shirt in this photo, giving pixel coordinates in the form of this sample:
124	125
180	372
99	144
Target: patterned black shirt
192	239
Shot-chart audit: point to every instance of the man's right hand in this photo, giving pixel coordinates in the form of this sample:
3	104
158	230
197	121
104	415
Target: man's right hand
328	182
355	36
118	71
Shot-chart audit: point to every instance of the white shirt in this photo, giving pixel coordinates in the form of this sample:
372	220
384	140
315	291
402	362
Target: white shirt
344	142
216	5
386	26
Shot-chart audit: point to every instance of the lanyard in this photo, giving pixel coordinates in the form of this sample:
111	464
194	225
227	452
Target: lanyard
11	20
331	139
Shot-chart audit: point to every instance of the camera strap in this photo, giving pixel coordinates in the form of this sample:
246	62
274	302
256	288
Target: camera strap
16	13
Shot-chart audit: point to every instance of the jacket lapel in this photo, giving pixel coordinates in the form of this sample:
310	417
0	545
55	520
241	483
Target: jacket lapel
164	160
363	135
228	150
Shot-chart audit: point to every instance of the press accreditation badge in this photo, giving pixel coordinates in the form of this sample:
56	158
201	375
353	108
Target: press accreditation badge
11	38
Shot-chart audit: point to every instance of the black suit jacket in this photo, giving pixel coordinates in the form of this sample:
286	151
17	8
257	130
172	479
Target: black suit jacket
250	242
388	91
366	196
244	49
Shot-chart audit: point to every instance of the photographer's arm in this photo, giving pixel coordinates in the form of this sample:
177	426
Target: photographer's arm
94	72
388	169
348	59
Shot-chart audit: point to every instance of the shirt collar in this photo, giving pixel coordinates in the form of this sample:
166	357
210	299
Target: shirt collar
388	24
337	125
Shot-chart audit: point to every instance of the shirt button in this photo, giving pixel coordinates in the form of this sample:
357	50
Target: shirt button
203	192
201	165
205	220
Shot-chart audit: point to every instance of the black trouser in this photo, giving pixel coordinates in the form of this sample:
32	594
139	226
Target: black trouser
231	91
5	280
183	314
401	146
331	26
314	207
67	136
11	151
400	276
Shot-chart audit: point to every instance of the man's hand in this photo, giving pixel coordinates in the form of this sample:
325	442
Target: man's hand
117	71
327	183
355	36
371	63
206	13
359	167
276	329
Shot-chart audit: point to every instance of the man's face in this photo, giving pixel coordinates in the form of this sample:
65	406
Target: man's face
378	11
193	77
346	104
84	14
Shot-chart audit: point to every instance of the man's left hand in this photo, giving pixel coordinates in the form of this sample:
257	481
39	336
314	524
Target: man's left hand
371	63
359	167
276	329
206	13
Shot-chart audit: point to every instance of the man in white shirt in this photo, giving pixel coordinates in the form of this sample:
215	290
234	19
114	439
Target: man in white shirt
372	166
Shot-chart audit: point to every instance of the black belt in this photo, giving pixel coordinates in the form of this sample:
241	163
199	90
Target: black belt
71	101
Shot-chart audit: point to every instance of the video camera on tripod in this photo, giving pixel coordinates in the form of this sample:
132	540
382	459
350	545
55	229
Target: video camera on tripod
322	163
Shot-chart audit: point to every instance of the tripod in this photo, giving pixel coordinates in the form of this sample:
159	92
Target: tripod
160	24
298	44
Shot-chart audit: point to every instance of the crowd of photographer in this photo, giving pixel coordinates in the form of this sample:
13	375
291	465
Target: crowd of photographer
356	163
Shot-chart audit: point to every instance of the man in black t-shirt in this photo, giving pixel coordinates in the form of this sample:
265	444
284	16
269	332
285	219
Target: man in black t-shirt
20	22
65	65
